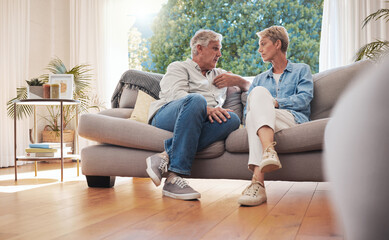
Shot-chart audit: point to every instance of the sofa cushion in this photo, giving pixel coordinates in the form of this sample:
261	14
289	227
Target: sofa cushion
233	101
129	133
142	105
329	85
304	137
140	80
214	150
290	140
128	98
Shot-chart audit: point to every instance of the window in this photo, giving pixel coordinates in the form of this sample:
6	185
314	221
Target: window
238	21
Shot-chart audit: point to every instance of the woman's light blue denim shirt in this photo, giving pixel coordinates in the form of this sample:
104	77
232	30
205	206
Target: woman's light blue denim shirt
294	91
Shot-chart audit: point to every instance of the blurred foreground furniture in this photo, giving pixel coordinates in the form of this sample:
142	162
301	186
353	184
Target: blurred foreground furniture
357	155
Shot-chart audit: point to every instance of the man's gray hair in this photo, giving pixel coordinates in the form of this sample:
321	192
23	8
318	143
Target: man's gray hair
203	37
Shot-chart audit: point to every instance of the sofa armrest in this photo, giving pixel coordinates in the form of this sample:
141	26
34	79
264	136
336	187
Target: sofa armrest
117	112
122	132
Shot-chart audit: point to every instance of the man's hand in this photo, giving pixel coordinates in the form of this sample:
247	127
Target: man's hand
218	114
229	79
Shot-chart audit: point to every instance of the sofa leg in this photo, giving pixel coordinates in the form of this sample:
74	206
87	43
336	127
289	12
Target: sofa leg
101	181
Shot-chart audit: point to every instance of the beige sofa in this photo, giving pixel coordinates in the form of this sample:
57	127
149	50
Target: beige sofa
125	144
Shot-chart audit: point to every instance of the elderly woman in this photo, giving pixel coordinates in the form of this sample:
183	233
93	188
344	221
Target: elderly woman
278	98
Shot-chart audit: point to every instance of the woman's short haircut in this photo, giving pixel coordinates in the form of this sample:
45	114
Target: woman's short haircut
203	37
275	33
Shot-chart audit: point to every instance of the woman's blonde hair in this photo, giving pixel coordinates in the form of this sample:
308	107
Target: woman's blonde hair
275	33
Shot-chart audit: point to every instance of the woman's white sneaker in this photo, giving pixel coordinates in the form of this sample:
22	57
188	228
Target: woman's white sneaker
253	195
270	160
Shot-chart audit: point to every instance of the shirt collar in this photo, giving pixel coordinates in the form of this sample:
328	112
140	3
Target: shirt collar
193	63
289	68
196	66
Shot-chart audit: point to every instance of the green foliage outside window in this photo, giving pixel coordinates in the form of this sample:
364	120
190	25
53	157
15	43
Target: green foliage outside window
238	21
137	49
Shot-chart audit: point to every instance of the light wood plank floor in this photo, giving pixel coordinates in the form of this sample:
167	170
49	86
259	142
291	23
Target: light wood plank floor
44	208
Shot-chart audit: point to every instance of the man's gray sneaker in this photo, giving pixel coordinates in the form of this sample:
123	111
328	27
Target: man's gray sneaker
179	188
157	167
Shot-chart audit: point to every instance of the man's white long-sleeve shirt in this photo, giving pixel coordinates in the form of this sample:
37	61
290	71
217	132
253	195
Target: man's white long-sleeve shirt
185	77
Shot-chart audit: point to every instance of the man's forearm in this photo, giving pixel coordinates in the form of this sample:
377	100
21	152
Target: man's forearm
229	80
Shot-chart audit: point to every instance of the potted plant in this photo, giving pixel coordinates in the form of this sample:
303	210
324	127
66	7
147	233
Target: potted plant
81	92
374	50
35	88
51	132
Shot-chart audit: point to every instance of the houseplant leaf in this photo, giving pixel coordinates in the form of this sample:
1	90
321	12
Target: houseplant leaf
374	50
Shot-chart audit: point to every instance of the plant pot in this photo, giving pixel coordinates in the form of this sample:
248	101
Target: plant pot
35	92
54	136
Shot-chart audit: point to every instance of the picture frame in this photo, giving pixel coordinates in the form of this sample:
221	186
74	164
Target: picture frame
66	82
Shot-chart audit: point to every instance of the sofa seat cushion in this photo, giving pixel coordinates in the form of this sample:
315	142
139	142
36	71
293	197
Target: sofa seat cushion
301	138
133	134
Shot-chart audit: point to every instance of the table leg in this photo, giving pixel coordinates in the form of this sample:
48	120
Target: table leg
16	165
61	141
76	146
35	137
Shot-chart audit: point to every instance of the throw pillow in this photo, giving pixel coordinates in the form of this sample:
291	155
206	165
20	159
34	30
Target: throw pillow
233	101
128	98
142	105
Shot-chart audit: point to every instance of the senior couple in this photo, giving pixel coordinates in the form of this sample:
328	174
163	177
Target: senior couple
190	105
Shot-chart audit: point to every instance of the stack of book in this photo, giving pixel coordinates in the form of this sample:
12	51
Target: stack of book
47	150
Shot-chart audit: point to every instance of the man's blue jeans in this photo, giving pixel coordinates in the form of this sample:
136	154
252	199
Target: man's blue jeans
192	131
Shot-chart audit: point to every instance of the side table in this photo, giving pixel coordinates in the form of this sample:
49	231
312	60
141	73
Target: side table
42	102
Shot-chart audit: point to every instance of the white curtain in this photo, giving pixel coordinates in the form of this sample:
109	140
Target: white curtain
342	34
98	36
14	57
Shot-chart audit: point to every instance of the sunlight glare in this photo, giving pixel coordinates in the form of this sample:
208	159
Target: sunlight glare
142	8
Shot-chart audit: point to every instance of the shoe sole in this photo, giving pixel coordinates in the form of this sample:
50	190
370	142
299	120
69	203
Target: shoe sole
270	166
244	203
151	173
188	196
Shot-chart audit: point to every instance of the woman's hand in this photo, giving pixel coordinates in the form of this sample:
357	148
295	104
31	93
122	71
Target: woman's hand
218	114
276	103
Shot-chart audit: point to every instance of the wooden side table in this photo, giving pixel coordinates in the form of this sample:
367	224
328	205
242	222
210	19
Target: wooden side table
42	102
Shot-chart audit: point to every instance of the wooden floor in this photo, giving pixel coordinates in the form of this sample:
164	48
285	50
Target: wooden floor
44	208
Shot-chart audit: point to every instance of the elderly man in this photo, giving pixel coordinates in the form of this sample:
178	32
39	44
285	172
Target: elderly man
191	99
